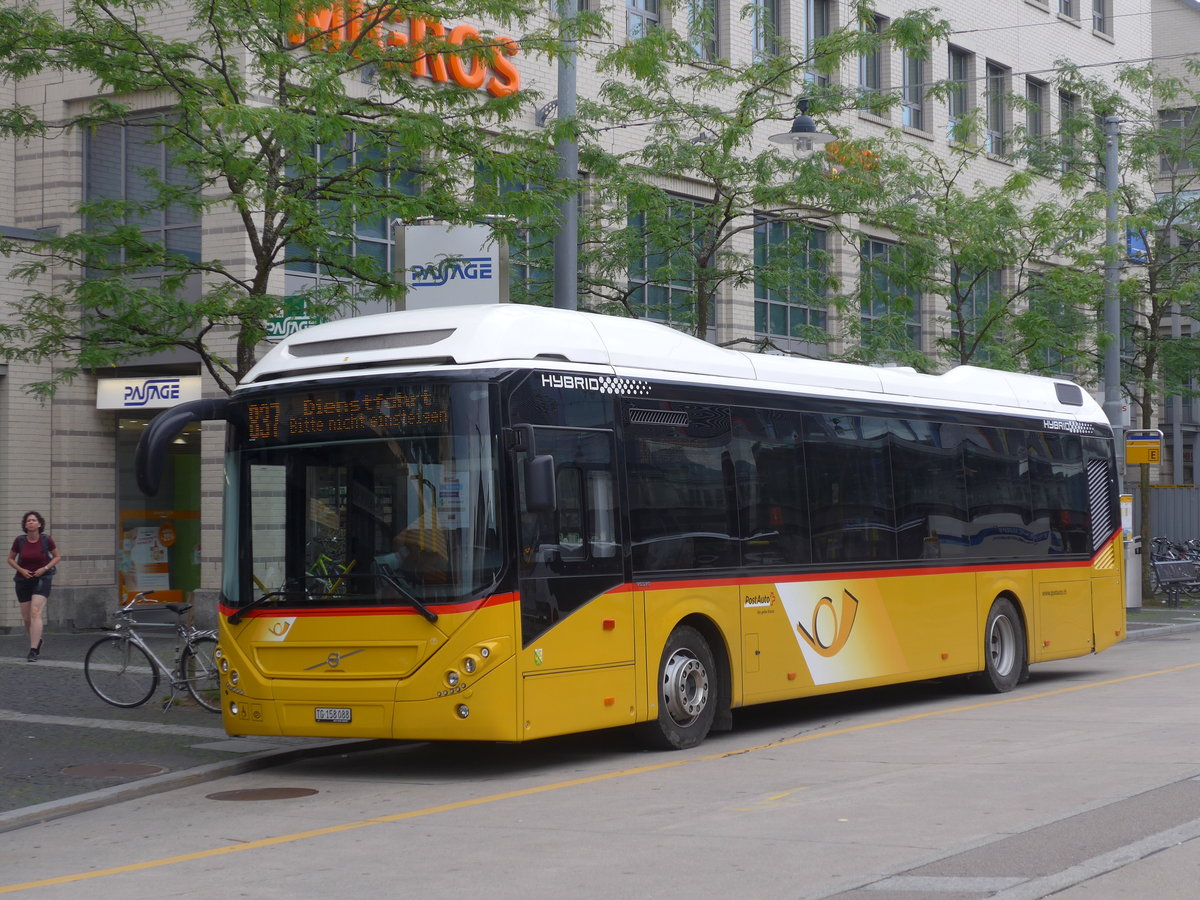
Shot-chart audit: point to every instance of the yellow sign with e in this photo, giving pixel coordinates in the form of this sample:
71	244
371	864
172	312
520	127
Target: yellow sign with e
1143	447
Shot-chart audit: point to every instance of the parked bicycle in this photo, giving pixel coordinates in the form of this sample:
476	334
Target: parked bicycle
123	670
1175	568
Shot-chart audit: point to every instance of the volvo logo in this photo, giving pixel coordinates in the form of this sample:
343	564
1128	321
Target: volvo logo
333	660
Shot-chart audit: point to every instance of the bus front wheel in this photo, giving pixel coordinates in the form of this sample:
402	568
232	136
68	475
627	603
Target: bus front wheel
687	692
1003	648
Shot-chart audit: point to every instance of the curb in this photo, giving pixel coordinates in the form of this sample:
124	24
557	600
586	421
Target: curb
1145	632
169	781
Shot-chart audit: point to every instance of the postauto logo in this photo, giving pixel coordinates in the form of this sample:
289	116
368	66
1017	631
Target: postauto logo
152	389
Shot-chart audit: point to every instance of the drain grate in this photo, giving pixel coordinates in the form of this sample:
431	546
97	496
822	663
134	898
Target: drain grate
276	793
113	770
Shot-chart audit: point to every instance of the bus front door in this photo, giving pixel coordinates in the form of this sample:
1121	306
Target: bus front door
578	628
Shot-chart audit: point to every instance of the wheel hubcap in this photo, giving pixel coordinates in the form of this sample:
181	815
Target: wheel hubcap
685	687
1002	645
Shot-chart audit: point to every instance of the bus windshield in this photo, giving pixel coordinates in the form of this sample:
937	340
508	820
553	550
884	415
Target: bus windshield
380	495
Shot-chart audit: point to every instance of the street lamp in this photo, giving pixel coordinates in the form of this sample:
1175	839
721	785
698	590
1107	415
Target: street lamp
804	135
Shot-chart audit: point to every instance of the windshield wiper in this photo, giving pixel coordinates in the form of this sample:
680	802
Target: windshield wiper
406	596
236	615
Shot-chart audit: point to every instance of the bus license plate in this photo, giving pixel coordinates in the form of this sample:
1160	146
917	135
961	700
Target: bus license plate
333	713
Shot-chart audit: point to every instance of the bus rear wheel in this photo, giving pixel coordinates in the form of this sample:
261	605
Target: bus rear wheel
1003	648
687	692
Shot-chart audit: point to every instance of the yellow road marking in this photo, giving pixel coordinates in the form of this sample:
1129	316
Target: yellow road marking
561	785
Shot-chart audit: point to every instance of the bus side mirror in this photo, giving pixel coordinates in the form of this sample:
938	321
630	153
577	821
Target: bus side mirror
541	493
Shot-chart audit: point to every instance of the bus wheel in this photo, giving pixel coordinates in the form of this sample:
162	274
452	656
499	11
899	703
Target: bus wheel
687	693
1003	648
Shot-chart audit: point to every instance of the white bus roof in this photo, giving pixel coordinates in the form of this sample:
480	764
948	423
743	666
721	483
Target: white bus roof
513	334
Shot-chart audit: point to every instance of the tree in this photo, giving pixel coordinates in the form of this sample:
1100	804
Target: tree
647	250
1012	267
1158	198
305	125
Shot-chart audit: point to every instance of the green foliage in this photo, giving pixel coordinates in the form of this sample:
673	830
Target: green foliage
656	132
294	137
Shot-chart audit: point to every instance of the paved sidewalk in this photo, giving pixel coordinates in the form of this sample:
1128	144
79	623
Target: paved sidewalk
63	750
1154	619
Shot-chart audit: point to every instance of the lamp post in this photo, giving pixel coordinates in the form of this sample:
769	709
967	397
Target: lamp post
1112	278
803	136
566	239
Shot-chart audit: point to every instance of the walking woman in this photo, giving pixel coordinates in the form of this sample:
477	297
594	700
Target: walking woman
34	555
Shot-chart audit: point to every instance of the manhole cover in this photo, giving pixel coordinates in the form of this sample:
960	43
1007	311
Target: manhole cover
277	793
113	770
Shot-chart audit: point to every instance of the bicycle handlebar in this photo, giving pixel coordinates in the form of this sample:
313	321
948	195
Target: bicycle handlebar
139	597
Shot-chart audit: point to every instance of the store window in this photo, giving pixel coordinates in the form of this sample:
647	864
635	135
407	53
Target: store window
158	538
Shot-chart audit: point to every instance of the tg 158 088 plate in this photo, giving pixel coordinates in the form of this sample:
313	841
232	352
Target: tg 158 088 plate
332	713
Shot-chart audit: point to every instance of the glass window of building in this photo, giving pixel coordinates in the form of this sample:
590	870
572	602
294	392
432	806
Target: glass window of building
870	62
130	164
975	295
702	28
1035	109
1100	16
912	89
791	280
997	109
530	249
640	17
959	90
818	23
1067	107
1180	129
370	237
662	274
886	298
766	29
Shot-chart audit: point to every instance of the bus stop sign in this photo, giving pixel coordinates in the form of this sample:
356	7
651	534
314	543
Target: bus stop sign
1143	447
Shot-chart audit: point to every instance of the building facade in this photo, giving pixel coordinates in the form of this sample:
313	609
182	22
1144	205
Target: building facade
70	457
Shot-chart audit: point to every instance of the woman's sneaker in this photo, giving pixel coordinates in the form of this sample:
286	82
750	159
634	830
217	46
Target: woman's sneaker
33	654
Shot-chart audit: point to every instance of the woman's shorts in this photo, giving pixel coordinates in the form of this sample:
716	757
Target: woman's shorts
27	587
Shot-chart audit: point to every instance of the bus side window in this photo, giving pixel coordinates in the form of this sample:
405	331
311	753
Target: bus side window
579	535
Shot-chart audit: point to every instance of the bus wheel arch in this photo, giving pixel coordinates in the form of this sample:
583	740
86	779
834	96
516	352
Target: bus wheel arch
1005	646
691	686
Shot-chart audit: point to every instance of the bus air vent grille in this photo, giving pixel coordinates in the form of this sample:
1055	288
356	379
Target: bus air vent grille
657	417
366	343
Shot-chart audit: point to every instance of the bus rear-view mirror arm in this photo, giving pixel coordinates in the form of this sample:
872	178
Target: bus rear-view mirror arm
151	455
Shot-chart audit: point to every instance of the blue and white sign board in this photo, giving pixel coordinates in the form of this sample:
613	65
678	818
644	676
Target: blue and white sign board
452	265
146	393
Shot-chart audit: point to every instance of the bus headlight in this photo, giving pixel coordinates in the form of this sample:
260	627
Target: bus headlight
452	678
224	664
470	664
233	708
463	710
234	677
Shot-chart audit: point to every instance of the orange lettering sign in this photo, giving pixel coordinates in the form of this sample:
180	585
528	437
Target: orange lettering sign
488	68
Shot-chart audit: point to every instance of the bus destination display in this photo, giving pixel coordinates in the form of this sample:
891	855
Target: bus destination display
346	414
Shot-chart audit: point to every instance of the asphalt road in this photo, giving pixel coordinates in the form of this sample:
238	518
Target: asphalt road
1082	783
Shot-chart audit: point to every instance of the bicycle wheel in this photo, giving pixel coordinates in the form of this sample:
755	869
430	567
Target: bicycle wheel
200	673
120	672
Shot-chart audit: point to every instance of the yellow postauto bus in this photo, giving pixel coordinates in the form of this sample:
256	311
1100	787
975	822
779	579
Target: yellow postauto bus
506	522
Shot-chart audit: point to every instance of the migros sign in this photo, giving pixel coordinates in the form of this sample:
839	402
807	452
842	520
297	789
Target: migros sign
351	22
